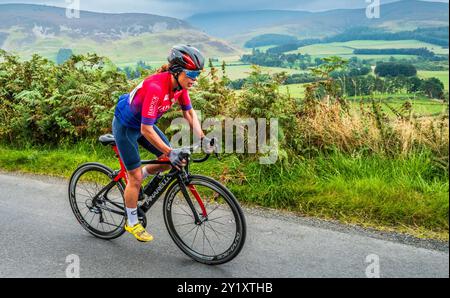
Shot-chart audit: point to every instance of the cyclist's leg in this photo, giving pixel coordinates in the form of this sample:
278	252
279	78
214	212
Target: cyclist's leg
126	140
154	169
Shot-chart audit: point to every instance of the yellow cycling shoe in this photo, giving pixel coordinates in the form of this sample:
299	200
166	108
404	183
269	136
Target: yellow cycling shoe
139	232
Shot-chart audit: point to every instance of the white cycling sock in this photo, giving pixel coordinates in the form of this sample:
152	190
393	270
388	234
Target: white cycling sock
145	174
132	216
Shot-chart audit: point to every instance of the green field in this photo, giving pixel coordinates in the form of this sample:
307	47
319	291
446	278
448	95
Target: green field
443	76
295	90
421	105
238	70
345	49
148	47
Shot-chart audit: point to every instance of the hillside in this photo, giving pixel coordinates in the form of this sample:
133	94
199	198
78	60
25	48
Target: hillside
125	38
239	27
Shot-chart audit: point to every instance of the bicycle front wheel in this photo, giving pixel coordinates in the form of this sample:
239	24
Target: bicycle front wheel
221	234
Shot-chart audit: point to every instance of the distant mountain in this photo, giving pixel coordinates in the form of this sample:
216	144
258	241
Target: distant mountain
397	16
48	20
44	29
226	24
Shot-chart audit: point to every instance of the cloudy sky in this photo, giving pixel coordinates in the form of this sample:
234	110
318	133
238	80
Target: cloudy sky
185	8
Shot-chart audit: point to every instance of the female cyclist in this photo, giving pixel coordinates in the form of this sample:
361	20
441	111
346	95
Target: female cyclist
135	120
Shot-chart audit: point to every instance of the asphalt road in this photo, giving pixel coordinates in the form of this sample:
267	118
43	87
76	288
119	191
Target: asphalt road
38	232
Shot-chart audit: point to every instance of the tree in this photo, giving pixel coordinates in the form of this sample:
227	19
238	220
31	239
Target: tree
395	69
433	88
414	84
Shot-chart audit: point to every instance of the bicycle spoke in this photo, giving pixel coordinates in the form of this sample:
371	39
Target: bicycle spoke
84	216
189	231
213	210
215	232
221	223
85	196
204	234
184	214
216	217
203	242
184	224
91	196
112	217
93	216
81	205
195	236
110	224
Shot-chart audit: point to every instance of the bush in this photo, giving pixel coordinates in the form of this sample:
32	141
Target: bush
433	88
47	104
394	69
44	103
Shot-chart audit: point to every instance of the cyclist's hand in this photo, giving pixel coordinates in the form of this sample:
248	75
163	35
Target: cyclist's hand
177	157
209	145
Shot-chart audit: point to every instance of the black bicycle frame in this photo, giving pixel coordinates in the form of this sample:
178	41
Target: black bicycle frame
182	176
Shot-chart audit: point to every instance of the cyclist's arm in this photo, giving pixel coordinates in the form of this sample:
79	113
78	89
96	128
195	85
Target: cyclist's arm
150	134
190	115
194	123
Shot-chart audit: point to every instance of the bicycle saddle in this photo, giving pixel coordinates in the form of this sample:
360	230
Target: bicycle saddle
107	139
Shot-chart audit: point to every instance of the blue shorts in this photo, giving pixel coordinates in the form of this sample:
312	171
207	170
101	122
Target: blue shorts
127	140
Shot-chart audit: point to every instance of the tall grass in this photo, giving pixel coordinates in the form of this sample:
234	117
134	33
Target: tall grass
407	194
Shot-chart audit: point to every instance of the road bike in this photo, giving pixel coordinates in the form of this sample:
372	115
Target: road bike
202	216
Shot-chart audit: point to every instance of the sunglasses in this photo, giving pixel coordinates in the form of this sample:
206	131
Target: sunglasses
192	74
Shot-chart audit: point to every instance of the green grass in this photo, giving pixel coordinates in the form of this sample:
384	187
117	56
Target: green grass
369	190
421	105
408	195
441	75
295	90
237	70
345	49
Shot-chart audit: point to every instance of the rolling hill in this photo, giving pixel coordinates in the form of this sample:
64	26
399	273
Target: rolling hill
239	27
125	38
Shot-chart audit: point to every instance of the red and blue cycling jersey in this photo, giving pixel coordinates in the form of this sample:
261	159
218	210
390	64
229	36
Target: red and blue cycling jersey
149	101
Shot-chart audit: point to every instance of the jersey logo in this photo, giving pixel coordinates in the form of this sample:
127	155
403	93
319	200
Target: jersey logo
153	106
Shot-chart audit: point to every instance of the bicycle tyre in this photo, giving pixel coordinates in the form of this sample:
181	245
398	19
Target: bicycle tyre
106	173
240	232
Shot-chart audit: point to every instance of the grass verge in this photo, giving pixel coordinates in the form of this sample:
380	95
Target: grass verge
407	195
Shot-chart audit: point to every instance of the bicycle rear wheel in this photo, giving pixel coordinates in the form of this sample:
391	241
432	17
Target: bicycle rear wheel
220	236
97	201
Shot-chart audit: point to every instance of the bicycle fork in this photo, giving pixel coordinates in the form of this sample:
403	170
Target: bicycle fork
183	181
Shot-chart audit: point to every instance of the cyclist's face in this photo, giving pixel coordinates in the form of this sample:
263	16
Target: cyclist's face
185	81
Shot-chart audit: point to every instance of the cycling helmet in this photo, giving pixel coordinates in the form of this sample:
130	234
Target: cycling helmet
185	57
